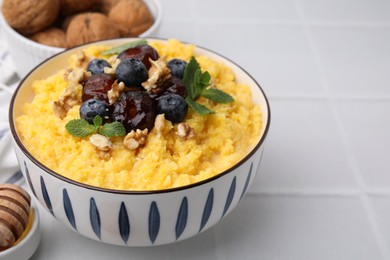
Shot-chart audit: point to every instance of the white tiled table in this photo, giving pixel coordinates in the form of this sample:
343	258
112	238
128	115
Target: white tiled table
323	190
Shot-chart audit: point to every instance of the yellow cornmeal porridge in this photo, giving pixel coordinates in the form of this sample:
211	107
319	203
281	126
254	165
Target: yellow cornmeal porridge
166	161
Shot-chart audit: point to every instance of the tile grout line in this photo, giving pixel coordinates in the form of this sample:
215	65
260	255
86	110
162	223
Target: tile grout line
286	22
324	97
320	192
344	139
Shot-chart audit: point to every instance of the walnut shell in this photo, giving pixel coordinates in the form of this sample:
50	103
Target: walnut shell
28	16
104	6
75	6
52	36
132	17
88	27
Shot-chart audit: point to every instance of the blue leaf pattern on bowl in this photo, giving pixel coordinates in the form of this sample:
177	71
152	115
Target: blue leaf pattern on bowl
154	222
46	196
2	132
124	223
29	179
68	209
230	196
94	217
15	177
181	221
247	181
208	207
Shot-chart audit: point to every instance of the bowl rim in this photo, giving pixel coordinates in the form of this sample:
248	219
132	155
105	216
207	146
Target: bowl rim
134	192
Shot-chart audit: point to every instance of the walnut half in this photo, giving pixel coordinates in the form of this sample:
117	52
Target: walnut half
115	91
101	142
135	139
66	102
69	98
185	131
158	73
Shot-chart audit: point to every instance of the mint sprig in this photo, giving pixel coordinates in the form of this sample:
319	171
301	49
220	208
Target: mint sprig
197	84
81	128
201	109
112	129
125	46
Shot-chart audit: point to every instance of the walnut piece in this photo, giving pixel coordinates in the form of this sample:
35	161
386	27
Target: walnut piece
135	139
115	91
111	70
69	98
66	102
101	142
88	27
29	17
131	17
52	36
104	155
158	73
159	124
81	59
78	75
185	131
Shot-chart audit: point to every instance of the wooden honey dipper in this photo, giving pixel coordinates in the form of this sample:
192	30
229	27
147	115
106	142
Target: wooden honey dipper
14	214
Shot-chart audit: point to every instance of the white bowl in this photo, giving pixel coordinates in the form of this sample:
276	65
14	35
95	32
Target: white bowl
26	247
136	218
26	54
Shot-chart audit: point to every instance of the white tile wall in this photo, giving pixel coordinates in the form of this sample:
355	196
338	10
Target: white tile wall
280	227
356	60
296	161
323	189
347	10
367	126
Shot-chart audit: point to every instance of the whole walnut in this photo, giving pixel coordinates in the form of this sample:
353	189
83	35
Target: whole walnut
88	27
75	6
52	36
104	6
29	16
132	17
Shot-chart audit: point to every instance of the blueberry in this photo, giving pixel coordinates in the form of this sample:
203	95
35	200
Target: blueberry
93	107
177	67
132	72
96	66
173	106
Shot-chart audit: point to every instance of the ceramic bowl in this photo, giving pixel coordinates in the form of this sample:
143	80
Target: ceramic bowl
137	218
26	54
27	245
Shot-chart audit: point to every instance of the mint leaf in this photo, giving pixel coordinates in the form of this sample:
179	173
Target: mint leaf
190	78
196	83
80	128
216	95
97	120
204	80
125	46
199	108
113	129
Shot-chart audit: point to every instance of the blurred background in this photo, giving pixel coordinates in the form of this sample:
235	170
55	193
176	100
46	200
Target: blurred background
323	189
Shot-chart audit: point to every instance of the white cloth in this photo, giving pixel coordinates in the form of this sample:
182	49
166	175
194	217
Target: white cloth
9	169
